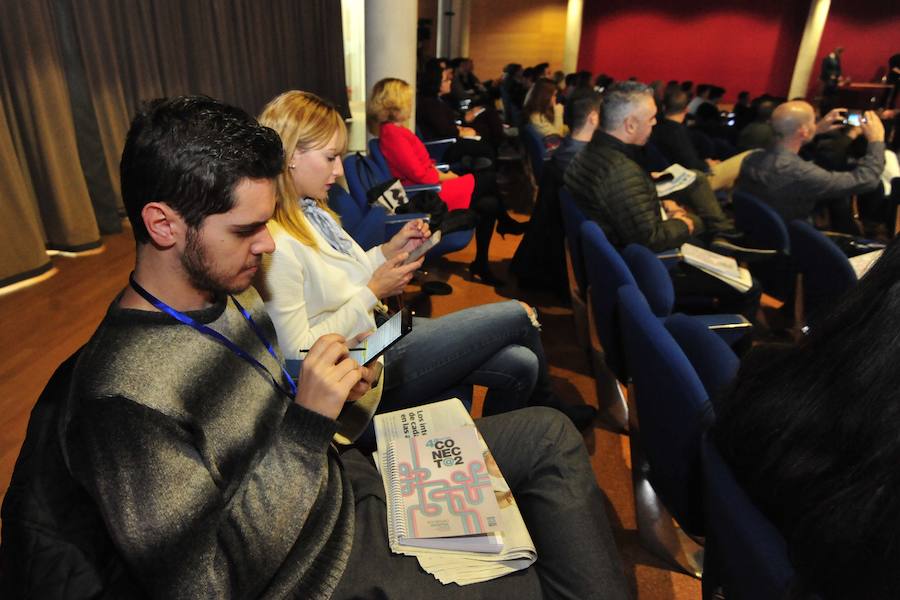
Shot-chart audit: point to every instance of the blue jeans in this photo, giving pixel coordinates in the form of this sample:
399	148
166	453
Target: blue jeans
493	345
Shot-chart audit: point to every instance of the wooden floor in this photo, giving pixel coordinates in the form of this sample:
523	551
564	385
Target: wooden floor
44	324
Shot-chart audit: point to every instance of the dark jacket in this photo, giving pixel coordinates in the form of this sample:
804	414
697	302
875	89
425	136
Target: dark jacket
674	141
612	189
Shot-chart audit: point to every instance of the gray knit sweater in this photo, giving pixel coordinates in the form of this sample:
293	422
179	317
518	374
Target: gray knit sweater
211	483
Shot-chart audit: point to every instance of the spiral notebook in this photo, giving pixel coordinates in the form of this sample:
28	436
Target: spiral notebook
441	494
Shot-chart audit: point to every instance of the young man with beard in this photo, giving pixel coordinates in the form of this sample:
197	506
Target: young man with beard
212	471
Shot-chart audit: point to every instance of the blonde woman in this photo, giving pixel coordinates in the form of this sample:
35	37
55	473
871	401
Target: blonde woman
389	106
320	281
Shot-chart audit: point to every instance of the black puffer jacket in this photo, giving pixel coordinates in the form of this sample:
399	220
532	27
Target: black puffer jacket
613	190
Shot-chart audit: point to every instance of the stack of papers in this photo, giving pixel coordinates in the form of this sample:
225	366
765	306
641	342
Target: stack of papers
724	268
681	178
504	551
861	263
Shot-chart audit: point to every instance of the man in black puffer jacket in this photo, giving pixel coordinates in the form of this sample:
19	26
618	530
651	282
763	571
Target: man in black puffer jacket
611	188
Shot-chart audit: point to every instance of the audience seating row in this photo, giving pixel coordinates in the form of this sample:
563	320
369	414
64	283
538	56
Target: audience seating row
674	364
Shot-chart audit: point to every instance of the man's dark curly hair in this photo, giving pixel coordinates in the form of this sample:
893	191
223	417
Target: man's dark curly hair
191	152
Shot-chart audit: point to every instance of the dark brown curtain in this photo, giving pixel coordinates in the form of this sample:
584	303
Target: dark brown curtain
76	70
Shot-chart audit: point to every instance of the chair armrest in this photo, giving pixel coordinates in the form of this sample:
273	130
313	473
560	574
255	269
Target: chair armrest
446	141
731	328
404	218
394	223
425	187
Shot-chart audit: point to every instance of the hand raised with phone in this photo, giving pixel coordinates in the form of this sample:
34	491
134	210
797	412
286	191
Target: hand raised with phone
391	277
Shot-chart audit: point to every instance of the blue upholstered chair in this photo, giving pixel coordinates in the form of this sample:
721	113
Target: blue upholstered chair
744	554
824	268
606	273
572	218
365	224
764	229
713	360
671	411
652	278
534	149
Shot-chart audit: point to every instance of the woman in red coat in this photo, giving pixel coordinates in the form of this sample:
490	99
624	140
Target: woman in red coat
390	105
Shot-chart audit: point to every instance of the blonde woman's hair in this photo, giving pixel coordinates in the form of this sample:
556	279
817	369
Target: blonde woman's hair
305	122
389	102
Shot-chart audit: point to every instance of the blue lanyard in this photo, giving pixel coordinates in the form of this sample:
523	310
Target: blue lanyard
180	316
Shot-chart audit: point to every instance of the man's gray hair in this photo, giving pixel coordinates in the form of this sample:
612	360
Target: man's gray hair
620	100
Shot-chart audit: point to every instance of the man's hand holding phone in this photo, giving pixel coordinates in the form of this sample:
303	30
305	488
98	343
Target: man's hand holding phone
328	376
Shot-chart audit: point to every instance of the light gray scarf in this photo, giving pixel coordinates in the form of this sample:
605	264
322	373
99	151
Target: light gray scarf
327	226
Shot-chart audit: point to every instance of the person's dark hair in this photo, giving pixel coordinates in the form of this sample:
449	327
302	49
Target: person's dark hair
580	105
619	100
430	80
764	110
512	69
687	86
703	88
191	152
675	100
454	64
571	80
540	68
603	81
716	93
539	97
811	432
707	113
583	79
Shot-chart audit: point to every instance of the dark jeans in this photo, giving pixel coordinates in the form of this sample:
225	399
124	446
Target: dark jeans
493	345
699	199
543	459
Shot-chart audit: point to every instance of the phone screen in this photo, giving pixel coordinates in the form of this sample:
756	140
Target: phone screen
390	331
425	247
855	119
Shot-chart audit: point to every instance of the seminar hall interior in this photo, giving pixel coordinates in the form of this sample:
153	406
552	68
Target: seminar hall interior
716	278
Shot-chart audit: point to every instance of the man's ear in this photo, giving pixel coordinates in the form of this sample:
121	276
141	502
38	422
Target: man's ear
163	223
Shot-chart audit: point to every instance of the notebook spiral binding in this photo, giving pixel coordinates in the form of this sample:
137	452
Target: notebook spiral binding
395	502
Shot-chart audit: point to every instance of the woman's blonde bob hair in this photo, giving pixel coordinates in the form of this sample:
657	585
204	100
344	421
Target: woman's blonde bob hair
305	122
389	102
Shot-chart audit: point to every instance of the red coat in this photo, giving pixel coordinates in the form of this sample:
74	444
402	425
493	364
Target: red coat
408	160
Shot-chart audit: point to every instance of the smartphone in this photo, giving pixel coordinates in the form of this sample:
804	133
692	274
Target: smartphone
390	332
428	245
855	118
663	177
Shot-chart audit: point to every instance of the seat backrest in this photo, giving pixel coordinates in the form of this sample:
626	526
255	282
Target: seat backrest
572	218
825	268
747	555
378	159
341	202
763	226
534	147
672	408
714	361
606	273
652	278
362	174
54	542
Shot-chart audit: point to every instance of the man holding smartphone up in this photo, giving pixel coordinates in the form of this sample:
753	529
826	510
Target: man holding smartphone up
793	186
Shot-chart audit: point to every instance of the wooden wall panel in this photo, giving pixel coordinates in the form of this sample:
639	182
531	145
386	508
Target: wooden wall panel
521	31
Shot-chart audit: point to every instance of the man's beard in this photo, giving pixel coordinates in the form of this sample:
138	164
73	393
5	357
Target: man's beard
197	266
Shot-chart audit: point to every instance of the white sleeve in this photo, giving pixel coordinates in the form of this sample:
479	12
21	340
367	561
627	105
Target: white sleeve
287	306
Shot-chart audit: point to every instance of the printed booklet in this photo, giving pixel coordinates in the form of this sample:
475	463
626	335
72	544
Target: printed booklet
447	503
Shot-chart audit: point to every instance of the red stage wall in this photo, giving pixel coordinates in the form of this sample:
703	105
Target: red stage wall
737	44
